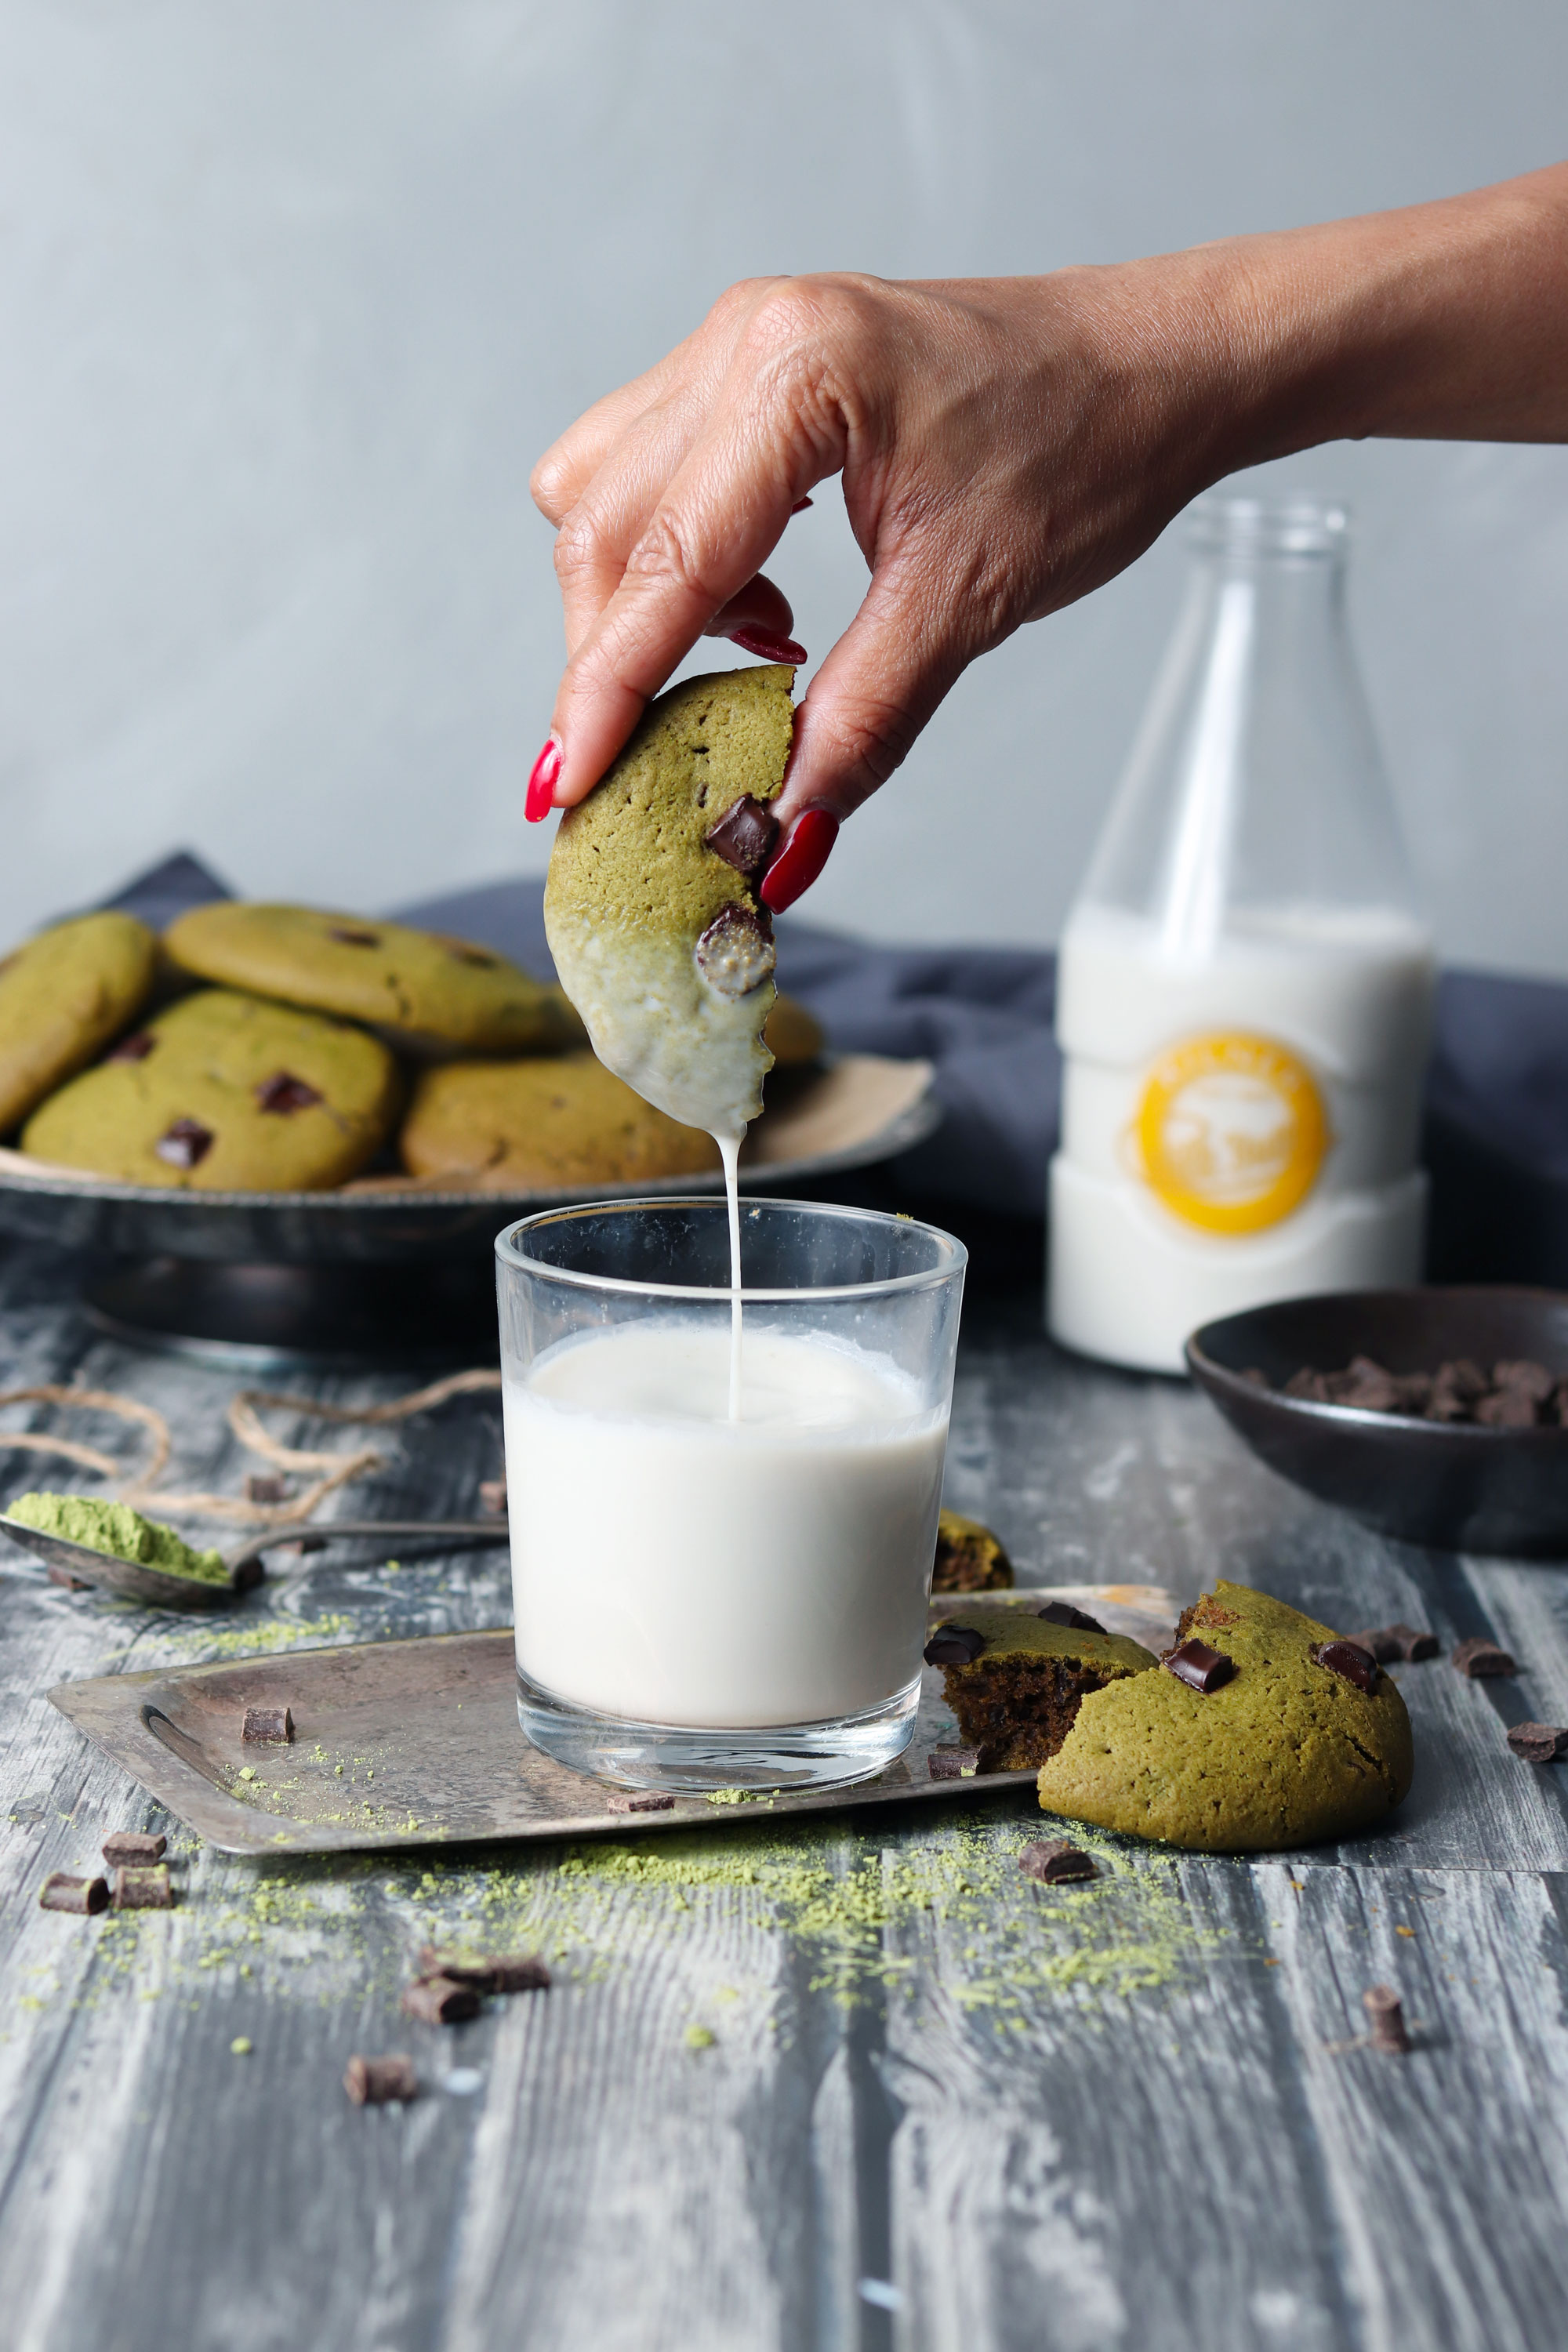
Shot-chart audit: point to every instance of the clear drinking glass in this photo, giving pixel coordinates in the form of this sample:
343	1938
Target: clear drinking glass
721	1583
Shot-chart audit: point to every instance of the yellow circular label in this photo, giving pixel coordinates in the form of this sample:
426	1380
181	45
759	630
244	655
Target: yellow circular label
1232	1133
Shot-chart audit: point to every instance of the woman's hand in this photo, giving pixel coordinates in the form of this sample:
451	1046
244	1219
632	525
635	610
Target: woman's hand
1005	445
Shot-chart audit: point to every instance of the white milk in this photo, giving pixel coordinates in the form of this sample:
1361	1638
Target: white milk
673	1566
1236	1127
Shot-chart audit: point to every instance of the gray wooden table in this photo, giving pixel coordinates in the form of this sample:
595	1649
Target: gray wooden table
858	2084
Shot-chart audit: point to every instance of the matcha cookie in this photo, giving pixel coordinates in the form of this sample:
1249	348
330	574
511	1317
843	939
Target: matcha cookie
1282	1747
968	1558
651	911
431	995
791	1035
542	1126
223	1093
62	997
1016	1681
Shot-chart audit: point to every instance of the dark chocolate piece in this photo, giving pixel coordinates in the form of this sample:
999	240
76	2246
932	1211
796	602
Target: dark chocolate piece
1385	2015
61	1892
186	1144
954	1763
461	953
133	1846
134	1048
954	1645
1349	1661
355	939
639	1800
1538	1743
1464	1377
144	1886
284	1093
265	1489
266	1727
744	837
1506	1409
1388	1643
1055	1862
1521	1373
1255	1376
1307	1385
1481	1659
735	953
1195	1664
373	2081
1062	1612
496	1972
441	2000
519	1972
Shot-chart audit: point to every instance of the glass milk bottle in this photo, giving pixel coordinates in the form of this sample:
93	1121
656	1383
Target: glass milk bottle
1245	990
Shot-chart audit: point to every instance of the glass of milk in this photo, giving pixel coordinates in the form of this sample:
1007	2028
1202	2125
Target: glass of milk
1245	987
721	1580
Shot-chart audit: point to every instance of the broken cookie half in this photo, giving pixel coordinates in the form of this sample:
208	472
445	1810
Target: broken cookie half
651	906
1016	1681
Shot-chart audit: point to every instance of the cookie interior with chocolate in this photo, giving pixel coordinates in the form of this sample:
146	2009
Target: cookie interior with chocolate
1017	1698
1286	1750
968	1558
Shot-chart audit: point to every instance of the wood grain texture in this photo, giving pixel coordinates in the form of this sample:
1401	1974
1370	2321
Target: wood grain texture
1031	2119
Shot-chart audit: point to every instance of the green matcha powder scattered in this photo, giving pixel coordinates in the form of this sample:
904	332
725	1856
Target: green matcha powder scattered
119	1532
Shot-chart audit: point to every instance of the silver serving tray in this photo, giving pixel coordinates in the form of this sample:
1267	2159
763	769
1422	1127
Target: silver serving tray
859	1109
415	1771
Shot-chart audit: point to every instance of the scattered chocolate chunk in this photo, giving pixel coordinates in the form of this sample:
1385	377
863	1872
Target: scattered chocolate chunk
1062	1612
494	1972
1389	1643
134	1048
186	1144
735	953
492	1496
1385	2015
373	2081
266	1727
1195	1664
441	2000
1506	1409
259	1489
1538	1743
143	1887
639	1800
133	1846
348	938
1348	1660
1054	1861
60	1892
1531	1379
1368	1386
954	1763
744	837
1481	1659
283	1093
1518	1394
954	1645
1307	1386
1255	1376
519	1972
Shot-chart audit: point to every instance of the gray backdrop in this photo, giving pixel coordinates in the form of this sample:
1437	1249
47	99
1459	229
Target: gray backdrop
292	292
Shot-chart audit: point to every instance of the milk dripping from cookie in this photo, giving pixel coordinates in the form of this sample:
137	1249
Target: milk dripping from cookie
1245	987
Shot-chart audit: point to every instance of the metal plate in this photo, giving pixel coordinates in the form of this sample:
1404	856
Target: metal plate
857	1110
417	1743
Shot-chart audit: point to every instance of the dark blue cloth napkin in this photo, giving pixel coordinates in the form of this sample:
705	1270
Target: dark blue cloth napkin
1497	1096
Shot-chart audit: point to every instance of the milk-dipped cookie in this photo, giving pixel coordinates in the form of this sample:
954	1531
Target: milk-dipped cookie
651	907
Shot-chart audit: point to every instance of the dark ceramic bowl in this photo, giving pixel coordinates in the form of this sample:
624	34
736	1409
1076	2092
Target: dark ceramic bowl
1453	1486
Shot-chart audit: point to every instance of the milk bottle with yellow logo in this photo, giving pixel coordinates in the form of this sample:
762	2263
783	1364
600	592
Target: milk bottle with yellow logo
1244	992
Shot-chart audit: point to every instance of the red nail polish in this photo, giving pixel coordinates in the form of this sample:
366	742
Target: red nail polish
800	861
767	647
800	506
541	782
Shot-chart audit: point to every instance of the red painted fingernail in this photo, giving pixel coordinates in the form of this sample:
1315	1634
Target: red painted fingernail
800	861
800	506
541	782
766	647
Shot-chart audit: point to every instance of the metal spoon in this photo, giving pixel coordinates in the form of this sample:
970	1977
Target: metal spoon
80	1564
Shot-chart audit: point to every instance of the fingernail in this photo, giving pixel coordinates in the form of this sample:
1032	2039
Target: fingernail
541	782
766	647
800	861
800	506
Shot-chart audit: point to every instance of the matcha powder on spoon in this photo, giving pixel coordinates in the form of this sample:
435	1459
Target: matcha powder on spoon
119	1532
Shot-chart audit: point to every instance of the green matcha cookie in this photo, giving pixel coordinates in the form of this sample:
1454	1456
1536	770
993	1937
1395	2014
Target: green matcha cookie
62	997
1281	1752
224	1093
1016	1681
426	993
542	1126
651	910
968	1558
